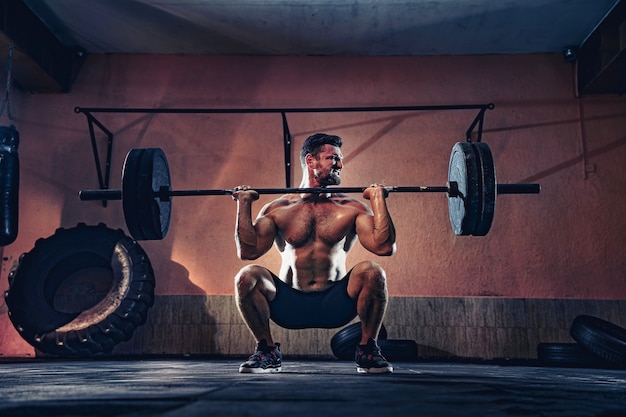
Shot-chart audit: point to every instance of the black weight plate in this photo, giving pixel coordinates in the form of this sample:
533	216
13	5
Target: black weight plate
130	197
399	350
464	209
344	342
162	210
145	172
487	176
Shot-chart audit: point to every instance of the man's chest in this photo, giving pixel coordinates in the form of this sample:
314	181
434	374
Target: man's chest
327	222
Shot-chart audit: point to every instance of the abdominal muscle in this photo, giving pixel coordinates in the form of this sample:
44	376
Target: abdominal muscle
313	267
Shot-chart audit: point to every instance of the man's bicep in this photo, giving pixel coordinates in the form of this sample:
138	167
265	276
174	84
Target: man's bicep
364	225
265	231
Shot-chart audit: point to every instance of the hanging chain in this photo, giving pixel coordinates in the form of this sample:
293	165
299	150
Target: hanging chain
7	102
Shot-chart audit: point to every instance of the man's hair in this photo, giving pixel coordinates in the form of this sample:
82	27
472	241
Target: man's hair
313	144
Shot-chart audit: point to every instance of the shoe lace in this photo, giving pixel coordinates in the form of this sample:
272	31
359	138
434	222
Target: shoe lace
260	355
371	353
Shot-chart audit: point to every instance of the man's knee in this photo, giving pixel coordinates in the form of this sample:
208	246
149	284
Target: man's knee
251	277
370	275
371	271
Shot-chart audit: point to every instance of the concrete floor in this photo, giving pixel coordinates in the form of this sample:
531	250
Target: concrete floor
192	387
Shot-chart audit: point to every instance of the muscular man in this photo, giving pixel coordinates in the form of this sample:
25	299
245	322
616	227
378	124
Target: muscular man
313	233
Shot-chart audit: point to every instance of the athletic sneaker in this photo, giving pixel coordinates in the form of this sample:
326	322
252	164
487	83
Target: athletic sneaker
369	360
265	359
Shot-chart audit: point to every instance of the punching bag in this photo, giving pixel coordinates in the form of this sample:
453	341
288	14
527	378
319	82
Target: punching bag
9	183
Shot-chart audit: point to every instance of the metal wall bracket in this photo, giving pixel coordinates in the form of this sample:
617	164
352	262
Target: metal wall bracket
480	117
104	177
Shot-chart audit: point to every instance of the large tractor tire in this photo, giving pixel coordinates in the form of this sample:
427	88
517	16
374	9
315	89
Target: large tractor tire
80	291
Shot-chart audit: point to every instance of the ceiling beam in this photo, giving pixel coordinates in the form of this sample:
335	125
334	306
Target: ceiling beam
601	64
41	63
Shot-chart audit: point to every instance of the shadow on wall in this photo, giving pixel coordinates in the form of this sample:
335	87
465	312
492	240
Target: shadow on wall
573	161
176	325
428	351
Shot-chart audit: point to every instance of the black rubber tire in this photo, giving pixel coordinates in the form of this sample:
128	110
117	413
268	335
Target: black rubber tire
344	342
605	339
399	350
39	273
570	355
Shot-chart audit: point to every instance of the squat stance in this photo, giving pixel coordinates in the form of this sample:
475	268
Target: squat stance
314	233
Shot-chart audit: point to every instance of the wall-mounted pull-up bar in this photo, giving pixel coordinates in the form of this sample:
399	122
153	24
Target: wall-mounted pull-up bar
104	177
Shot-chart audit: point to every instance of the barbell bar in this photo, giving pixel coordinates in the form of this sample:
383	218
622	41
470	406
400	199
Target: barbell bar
164	194
147	193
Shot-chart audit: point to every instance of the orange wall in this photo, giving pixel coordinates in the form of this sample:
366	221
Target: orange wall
567	242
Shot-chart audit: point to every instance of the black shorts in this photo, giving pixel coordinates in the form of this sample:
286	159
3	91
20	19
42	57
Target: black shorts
330	308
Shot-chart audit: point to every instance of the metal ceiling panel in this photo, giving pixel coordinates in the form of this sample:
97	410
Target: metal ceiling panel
323	27
294	27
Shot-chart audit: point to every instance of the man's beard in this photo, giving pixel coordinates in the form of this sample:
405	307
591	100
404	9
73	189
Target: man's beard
332	178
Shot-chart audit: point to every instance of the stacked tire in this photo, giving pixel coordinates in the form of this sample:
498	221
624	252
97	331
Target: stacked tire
599	343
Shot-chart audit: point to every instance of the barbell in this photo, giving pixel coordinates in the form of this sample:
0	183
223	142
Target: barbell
472	189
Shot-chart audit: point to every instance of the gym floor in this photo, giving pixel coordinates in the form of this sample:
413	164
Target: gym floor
208	386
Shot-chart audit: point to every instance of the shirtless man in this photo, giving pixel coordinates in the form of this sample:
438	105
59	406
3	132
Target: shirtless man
313	233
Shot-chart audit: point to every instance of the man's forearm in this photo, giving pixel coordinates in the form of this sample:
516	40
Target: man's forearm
384	230
245	233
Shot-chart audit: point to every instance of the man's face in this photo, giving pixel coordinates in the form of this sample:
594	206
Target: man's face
327	166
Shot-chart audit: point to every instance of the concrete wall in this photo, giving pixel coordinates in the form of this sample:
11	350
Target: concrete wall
467	327
566	243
